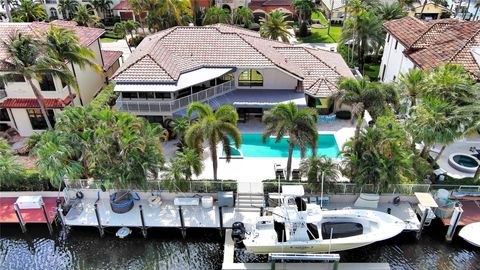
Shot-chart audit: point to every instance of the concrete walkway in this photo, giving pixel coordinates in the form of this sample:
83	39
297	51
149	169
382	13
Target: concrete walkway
119	45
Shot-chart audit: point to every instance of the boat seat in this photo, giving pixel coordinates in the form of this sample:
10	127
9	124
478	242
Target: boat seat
367	200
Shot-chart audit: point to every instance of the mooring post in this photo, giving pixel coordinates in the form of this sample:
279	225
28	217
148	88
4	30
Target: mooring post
61	217
20	218
272	265
49	225
144	228
422	223
335	265
100	227
182	222
261	211
457	214
220	216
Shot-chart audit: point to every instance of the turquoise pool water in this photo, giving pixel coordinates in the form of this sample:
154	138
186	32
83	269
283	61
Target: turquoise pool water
252	146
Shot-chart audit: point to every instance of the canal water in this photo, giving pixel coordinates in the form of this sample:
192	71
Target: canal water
82	248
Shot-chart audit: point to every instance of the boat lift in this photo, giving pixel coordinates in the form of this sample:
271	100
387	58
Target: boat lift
273	257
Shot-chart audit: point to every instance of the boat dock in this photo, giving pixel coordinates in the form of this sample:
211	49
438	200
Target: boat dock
471	213
230	264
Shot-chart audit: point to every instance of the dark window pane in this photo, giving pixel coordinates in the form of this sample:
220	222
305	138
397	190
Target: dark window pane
250	78
142	95
16	78
4	115
37	120
47	84
129	95
162	95
150	95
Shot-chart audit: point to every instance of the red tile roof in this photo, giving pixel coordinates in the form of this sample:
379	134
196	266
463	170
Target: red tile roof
85	35
109	58
162	57
50	103
123	5
441	41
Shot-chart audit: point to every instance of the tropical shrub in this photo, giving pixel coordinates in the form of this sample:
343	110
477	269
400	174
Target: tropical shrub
105	99
314	167
345	115
135	41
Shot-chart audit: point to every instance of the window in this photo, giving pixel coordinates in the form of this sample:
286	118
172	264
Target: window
396	44
53	11
129	94
161	95
37	120
394	77
64	84
146	95
47	84
388	38
4	115
250	78
383	72
16	78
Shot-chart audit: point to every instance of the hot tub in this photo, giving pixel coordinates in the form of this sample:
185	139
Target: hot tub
463	162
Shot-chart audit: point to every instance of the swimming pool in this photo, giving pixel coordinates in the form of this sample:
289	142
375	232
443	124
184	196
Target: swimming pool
252	146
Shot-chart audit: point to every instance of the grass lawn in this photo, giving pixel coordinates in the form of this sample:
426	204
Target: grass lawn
319	15
371	70
110	37
107	39
321	36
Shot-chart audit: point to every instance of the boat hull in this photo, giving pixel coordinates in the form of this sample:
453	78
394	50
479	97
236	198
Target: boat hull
470	233
304	247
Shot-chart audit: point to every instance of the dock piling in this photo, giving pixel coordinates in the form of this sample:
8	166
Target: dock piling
457	214
100	227
61	217
220	215
182	222
144	228
49	225
422	223
20	218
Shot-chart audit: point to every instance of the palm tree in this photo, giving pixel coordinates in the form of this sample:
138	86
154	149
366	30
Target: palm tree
431	123
102	6
84	18
68	8
216	15
28	11
391	11
411	84
190	163
275	26
10	170
477	6
304	9
466	10
312	167
298	124
213	128
362	95
6	6
63	45
179	127
124	27
243	16
26	58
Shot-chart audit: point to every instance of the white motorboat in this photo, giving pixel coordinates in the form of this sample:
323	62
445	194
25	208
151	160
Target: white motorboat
471	233
300	227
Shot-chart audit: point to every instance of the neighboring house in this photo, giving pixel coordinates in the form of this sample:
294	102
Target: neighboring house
432	11
54	12
413	43
260	8
124	10
18	106
334	7
223	64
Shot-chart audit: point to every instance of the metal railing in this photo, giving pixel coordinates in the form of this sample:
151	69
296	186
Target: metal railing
50	1
171	106
3	93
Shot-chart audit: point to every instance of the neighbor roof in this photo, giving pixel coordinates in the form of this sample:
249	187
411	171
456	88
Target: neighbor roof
430	44
85	35
163	57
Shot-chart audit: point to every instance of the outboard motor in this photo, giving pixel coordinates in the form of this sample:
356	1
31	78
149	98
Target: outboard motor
238	233
301	204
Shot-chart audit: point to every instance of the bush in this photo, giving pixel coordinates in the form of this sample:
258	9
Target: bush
133	42
303	31
104	98
29	181
345	115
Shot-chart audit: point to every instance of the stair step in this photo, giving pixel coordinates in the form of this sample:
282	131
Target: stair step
247	210
250	200
250	194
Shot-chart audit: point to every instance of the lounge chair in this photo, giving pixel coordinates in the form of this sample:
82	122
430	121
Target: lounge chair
279	174
296	174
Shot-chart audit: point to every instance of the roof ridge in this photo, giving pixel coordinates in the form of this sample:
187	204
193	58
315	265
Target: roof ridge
464	45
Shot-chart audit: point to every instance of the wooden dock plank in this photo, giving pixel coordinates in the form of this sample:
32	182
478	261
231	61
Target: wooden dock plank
471	213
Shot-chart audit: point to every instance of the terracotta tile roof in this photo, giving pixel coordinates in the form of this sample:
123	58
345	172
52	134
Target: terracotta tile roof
441	41
86	35
123	5
278	3
50	103
406	30
323	88
162	57
110	57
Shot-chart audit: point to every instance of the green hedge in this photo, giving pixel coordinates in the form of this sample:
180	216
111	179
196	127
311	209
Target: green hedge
31	181
105	98
346	115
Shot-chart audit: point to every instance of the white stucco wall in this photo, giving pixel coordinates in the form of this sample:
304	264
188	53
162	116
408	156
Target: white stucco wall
272	79
89	81
22	122
394	62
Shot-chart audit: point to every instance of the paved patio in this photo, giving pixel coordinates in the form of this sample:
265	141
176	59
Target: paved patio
461	146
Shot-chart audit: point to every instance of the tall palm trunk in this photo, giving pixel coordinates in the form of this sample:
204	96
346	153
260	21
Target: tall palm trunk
359	125
41	102
71	95
440	153
468	6
128	44
458	8
476	12
477	174
425	150
414	101
213	150
289	160
423	8
7	10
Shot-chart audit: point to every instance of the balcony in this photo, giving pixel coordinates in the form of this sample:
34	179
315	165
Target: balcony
171	106
3	93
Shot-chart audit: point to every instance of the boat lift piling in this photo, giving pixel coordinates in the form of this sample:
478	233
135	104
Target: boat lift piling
100	227
61	217
144	228
182	222
49	225
457	214
220	215
425	199
20	218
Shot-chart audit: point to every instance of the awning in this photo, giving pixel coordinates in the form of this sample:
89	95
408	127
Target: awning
426	199
50	103
185	80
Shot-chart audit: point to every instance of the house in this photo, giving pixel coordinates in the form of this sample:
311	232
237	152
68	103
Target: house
260	8
334	7
19	108
413	43
54	12
224	64
432	10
